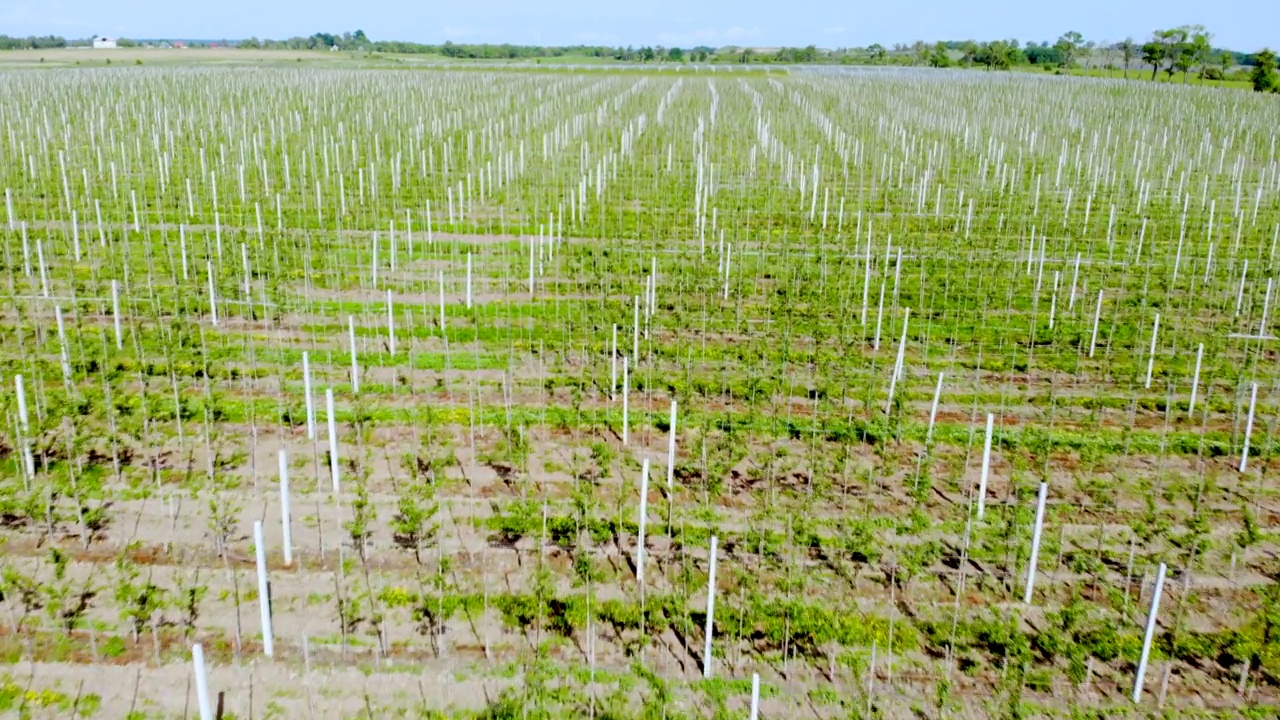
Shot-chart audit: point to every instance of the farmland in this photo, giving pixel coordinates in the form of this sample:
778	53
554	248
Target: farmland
528	353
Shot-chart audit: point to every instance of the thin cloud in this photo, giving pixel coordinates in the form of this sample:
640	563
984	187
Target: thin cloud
453	31
595	38
836	30
53	14
711	36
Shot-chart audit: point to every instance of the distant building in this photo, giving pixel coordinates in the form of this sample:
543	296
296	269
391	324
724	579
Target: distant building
104	43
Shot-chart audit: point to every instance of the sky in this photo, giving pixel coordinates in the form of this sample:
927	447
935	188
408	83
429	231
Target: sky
1238	24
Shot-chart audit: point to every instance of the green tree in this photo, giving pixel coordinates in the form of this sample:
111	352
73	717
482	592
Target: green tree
860	545
1174	41
996	55
189	594
877	53
413	524
1188	46
1264	76
920	50
1201	47
1128	49
139	600
1071	45
675	54
64	605
22	590
1226	60
939	57
1153	53
363	515
1257	644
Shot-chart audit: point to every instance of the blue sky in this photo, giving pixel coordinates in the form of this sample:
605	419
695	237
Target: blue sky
1239	24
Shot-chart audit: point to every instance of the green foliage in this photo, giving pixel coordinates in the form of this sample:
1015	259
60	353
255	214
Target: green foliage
414	522
517	519
363	515
1264	76
139	599
64	605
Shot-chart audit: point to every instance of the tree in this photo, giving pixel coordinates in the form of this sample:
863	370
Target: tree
860	545
139	600
1071	44
921	52
1264	76
996	55
1183	58
1042	55
1258	642
969	52
675	54
363	516
414	524
1203	47
1174	41
1127	49
64	605
1192	48
1153	54
1226	60
322	40
877	52
938	56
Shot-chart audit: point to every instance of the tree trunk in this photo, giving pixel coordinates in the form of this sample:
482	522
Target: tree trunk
1155	71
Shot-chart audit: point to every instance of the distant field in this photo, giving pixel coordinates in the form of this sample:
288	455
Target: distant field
1144	75
87	56
82	57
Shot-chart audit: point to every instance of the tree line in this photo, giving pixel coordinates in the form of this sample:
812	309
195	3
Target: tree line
1177	50
1184	50
1180	50
35	43
359	41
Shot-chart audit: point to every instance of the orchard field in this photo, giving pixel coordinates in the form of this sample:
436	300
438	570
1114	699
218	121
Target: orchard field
937	379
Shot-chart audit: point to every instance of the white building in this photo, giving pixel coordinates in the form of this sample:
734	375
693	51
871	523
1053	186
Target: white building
104	43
